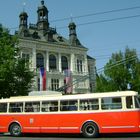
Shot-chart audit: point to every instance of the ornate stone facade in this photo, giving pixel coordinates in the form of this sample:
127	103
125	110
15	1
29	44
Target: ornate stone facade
42	46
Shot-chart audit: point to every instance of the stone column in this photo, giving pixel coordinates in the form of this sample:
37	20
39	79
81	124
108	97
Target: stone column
85	64
47	60
72	62
35	79
59	63
34	58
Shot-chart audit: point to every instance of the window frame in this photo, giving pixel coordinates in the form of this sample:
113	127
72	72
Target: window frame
109	105
64	63
52	108
69	107
29	107
40	60
79	65
18	108
54	84
136	102
87	105
131	104
6	108
52	62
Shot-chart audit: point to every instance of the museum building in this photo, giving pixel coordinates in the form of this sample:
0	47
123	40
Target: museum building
43	47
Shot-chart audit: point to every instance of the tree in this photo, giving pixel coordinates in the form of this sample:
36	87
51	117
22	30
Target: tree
122	72
15	75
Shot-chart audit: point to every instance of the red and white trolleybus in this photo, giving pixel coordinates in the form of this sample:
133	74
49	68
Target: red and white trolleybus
89	114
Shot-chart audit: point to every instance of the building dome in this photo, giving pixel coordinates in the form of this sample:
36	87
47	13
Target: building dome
23	14
72	24
42	7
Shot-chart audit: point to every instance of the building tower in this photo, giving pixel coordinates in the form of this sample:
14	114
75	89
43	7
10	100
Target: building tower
23	21
72	34
42	22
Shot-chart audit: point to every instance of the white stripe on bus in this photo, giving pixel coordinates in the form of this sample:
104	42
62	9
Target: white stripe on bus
49	127
69	127
2	127
31	127
112	127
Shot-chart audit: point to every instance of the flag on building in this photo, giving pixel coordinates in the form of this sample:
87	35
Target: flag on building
42	79
68	81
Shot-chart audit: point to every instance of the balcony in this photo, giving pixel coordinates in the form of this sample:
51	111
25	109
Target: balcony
54	72
32	26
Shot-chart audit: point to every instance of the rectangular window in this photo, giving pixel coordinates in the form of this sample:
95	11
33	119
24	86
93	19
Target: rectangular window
137	103
54	84
26	57
38	82
79	65
111	103
3	107
129	102
89	104
15	107
32	107
68	105
49	106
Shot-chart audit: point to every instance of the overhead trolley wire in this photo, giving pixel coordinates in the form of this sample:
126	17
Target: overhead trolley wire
63	88
117	63
93	14
95	22
97	13
104	20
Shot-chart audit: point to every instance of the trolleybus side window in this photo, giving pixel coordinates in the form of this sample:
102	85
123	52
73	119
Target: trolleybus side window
49	106
137	103
68	105
129	102
3	107
32	107
15	107
111	103
89	104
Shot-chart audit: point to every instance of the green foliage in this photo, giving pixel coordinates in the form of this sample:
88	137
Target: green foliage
123	69
15	76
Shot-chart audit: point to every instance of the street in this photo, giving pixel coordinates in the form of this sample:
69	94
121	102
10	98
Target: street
70	137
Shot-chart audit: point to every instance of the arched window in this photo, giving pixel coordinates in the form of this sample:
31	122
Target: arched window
52	62
64	62
39	60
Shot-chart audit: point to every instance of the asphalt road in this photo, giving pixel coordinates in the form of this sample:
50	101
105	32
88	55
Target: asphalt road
71	137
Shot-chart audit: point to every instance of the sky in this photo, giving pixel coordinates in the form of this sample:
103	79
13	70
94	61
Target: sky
103	34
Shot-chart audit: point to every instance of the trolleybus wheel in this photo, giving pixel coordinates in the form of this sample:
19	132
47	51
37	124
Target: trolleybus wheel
90	130
15	129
